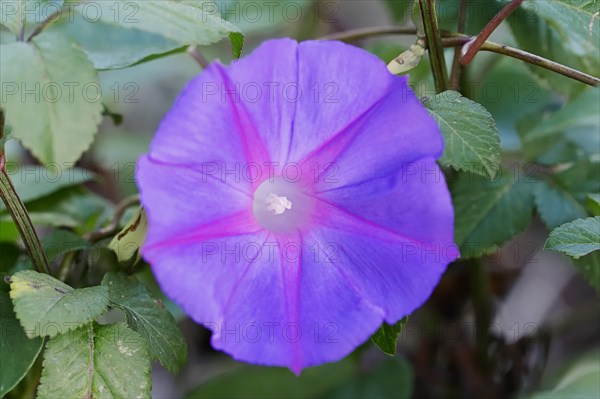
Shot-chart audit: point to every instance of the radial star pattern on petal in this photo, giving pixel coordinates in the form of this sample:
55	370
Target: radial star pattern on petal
295	203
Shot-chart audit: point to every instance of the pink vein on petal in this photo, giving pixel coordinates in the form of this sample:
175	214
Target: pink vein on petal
334	146
194	167
291	268
237	283
252	143
241	223
353	223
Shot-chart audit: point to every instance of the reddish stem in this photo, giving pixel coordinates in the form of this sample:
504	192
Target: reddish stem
486	32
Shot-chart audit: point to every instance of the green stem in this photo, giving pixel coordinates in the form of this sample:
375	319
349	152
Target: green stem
456	67
19	214
480	296
434	44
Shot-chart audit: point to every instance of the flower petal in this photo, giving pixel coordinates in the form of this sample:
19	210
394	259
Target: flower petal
332	92
414	201
205	115
179	200
295	309
397	131
262	82
395	238
201	276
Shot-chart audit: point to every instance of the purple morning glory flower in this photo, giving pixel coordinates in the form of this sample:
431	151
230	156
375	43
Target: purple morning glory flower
295	204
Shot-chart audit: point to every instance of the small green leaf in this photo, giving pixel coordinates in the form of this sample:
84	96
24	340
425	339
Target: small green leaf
237	44
18	351
48	307
555	204
593	203
577	238
386	338
489	212
127	243
149	318
96	361
471	140
63	95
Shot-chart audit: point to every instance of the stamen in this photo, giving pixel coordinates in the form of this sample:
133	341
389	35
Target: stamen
276	204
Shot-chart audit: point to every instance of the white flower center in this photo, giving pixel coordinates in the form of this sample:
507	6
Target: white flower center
276	204
273	209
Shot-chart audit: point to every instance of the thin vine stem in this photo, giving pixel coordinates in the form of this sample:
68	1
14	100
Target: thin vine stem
19	214
453	39
456	70
486	32
434	43
364	33
527	57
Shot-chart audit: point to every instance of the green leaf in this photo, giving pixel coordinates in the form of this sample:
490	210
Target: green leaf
577	22
386	338
537	32
78	208
589	266
110	46
62	93
237	44
48	307
573	181
141	29
276	383
593	203
489	212
127	243
74	207
471	141
578	380
581	112
392	379
16	12
191	21
149	318
96	361
18	351
555	204
577	238
59	242
34	182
